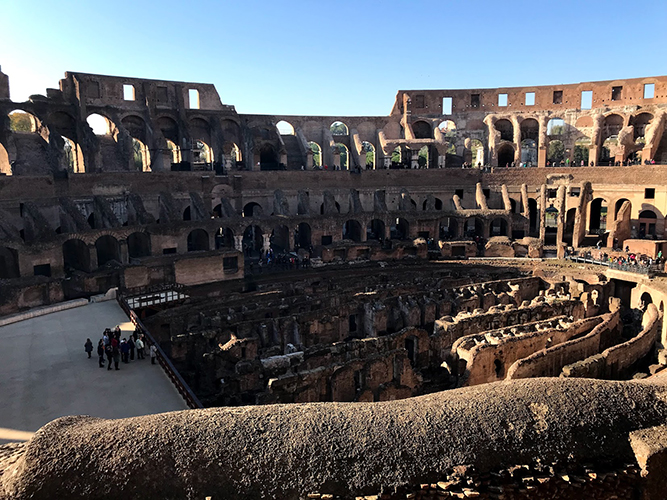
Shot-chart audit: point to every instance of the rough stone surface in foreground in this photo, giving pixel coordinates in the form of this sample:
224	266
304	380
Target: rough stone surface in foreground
288	451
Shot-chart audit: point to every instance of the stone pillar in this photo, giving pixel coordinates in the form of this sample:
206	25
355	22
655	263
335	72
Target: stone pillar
238	243
266	243
542	209
561	207
93	256
228	163
309	159
414	158
124	255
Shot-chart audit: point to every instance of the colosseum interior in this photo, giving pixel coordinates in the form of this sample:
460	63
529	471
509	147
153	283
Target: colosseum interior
406	306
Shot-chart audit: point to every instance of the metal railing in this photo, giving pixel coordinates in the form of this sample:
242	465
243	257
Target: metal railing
181	385
649	271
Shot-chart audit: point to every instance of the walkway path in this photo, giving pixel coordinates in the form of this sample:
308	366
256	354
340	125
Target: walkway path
45	373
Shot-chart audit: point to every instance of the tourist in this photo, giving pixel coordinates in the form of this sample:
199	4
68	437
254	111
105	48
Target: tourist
130	344
105	337
100	352
140	348
124	351
108	350
116	355
153	350
88	347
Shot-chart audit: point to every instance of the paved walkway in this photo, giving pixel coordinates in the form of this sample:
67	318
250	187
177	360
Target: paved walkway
45	373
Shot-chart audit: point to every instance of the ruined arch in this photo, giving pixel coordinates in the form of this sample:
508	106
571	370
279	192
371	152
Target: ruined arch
499	227
175	150
76	255
422	130
447	128
647	222
268	157
253	241
448	228
369	150
352	230
474	227
506	130
375	230
530	129
138	245
21	121
317	153
100	124
108	250
169	128
198	240
201	152
640	122
556	127
619	204
280	239
344	153
9	263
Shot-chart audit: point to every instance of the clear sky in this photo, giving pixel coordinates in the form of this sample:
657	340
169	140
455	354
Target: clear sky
331	58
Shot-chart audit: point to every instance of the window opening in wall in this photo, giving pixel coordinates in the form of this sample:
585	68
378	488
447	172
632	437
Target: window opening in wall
487	193
168	251
474	100
586	99
162	95
230	264
530	98
42	270
551	193
419	101
575	192
447	105
649	90
558	97
502	100
498	367
353	323
359	381
649	193
128	92
193	96
459	193
616	93
327	240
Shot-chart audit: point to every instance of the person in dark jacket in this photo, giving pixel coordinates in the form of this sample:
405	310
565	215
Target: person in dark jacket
116	356
100	352
108	350
88	346
130	344
125	351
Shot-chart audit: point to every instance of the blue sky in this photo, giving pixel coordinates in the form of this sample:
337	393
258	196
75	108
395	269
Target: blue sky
331	58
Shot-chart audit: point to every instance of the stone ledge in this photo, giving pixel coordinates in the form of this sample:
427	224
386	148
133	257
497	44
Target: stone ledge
41	311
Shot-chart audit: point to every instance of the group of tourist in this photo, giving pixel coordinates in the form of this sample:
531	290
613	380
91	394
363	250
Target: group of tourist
116	349
641	261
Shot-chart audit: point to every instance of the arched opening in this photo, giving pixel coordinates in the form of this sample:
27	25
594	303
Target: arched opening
201	153
474	227
99	124
9	263
611	126
513	205
437	204
530	130
252	209
302	236
224	238
5	165
647	224
528	153
568	230
22	121
447	128
317	153
76	256
498	368
556	128
169	128
533	218
506	130
640	122
268	158
505	155
619	204
138	245
235	153
581	151
499	227
198	240
598	216
645	300
422	130
175	150
341	149
556	153
108	250
91	221
285	128
187	213
448	228
550	225
396	157
337	208
477	152
140	156
253	242
375	230
73	156
339	128
279	239
369	150
400	229
352	231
